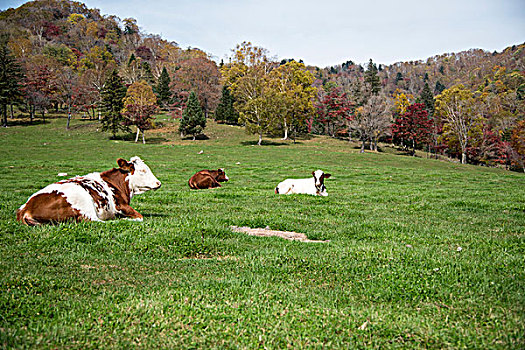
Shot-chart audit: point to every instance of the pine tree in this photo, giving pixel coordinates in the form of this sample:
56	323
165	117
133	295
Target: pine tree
10	79
193	120
439	87
427	98
371	78
225	112
399	77
147	75
112	104
163	88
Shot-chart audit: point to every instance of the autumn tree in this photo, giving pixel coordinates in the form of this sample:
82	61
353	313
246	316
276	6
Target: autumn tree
461	116
140	104
40	87
200	75
401	102
518	145
10	79
413	128
333	109
112	104
293	85
247	77
371	120
193	120
225	111
96	65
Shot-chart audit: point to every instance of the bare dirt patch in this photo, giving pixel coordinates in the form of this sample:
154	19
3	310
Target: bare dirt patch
266	232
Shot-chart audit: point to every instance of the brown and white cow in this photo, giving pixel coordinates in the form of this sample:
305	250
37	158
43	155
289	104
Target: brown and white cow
207	179
92	197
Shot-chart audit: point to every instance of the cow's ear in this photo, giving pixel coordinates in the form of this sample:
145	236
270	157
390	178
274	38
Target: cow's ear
220	170
125	165
313	173
326	176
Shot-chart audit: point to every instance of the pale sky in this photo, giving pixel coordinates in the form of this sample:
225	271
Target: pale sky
328	32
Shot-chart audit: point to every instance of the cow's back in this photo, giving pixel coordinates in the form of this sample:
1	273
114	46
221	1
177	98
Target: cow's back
202	180
80	198
296	186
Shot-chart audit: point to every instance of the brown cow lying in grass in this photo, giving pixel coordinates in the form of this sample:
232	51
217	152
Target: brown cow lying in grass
92	197
207	179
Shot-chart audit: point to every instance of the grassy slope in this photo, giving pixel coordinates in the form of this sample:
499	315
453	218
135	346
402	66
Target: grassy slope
183	279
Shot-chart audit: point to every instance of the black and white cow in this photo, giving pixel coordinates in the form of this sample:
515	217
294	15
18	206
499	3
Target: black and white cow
92	197
314	185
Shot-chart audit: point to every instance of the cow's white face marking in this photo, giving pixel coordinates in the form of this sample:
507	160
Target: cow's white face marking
142	179
317	177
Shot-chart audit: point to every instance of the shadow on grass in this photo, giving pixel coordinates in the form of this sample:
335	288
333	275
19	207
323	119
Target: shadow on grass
264	143
131	138
155	215
25	122
197	137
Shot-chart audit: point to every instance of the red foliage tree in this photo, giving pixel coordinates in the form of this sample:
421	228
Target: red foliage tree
517	145
490	150
333	109
40	88
413	128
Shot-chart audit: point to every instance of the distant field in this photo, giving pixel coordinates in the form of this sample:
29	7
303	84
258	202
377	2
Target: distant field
422	253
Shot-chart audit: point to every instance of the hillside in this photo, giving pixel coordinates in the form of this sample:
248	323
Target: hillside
66	51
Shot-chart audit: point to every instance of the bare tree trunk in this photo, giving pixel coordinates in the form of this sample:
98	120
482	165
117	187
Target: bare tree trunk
260	138
285	131
137	137
68	116
4	116
12	112
143	137
362	146
463	158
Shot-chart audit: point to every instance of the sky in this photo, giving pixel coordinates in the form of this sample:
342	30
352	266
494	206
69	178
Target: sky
328	32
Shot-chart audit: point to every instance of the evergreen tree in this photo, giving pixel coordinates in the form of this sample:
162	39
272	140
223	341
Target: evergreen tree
439	87
147	75
112	104
193	120
10	79
399	76
427	98
163	88
371	78
225	111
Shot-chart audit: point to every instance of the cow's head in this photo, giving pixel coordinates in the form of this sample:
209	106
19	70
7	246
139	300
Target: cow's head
140	177
221	176
319	177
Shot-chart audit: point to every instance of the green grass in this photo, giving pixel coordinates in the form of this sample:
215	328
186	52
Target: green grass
390	277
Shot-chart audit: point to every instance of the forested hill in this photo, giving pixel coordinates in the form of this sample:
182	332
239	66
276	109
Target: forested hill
68	31
67	53
474	68
74	42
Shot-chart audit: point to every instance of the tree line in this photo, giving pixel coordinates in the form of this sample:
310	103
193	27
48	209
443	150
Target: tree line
58	54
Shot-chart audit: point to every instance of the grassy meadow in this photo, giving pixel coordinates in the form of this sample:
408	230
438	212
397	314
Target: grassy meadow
421	253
